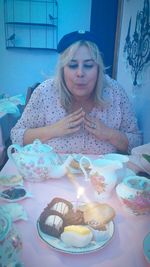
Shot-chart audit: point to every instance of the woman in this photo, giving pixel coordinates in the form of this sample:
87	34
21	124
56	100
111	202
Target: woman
81	110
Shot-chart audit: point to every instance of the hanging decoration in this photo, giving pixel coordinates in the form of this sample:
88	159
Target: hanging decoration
137	49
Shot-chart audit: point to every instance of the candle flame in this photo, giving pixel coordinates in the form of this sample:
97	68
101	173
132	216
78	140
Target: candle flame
80	192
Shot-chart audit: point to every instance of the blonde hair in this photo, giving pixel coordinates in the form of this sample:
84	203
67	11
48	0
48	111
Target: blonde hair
65	57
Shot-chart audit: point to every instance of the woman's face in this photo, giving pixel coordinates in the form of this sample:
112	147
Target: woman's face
80	74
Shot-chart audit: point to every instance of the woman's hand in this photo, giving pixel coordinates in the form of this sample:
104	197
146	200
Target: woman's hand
106	134
97	127
68	125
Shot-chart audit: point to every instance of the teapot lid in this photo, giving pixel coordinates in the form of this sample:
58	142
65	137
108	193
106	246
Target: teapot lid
5	225
37	147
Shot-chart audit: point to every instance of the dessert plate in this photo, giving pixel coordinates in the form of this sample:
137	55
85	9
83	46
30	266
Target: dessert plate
71	168
11	180
77	157
146	247
57	244
15	193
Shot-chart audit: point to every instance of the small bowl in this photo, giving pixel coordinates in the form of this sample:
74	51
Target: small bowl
134	194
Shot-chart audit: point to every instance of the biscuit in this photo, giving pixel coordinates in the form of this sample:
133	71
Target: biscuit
97	215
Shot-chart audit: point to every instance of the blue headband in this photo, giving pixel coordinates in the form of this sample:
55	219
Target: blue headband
73	37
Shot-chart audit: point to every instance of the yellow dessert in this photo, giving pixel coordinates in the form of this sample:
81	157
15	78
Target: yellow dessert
11	180
76	236
79	229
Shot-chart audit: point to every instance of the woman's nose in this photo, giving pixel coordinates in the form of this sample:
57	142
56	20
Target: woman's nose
80	71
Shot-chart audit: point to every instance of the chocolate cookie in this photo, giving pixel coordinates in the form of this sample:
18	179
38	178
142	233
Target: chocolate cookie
51	222
74	217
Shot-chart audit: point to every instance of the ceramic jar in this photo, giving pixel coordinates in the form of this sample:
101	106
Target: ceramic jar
102	175
134	194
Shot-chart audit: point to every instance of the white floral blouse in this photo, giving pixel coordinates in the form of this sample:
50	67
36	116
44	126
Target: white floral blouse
44	108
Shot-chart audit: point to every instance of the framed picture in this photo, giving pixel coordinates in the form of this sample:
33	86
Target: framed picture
132	44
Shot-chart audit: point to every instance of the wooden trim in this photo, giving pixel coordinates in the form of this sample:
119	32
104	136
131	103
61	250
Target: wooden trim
117	38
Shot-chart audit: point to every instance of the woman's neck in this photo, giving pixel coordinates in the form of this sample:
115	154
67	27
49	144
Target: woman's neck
86	104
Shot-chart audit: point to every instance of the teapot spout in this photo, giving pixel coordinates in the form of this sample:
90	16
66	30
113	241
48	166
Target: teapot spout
60	170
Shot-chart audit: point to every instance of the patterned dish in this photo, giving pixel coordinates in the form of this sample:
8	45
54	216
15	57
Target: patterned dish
15	193
58	245
146	247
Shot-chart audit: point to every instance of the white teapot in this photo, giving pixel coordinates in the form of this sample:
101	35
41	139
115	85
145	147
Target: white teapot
102	175
37	162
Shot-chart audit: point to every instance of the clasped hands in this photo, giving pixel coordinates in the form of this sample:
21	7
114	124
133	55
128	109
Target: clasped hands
73	122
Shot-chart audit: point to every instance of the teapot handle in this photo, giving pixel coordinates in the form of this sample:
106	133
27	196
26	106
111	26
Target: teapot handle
10	150
82	166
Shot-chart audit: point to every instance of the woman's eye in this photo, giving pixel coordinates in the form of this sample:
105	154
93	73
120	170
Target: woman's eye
75	66
88	66
72	66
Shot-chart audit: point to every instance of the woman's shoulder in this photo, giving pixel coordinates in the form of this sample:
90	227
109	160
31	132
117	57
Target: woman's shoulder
47	88
112	83
48	85
112	86
114	92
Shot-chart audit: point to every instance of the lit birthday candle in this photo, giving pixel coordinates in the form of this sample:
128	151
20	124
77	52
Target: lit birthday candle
80	192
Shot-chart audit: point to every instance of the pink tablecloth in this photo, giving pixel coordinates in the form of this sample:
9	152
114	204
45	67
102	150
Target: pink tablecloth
125	248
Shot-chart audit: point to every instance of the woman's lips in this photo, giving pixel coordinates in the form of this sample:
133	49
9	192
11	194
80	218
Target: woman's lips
80	84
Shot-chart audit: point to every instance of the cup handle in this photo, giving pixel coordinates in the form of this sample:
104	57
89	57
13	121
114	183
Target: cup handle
83	168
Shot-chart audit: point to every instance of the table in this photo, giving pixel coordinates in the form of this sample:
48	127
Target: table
125	248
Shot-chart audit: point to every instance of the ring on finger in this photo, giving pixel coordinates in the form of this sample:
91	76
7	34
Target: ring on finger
93	125
70	125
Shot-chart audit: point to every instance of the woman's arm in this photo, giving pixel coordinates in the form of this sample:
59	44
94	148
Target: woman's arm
33	124
120	129
32	117
107	134
42	133
67	125
118	140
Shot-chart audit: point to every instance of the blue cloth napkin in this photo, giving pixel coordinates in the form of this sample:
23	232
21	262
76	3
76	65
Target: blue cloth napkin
10	105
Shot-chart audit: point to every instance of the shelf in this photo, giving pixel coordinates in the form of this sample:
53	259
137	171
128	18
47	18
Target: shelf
35	48
31	23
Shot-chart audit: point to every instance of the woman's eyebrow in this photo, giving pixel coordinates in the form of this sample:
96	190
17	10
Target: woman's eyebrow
85	60
89	60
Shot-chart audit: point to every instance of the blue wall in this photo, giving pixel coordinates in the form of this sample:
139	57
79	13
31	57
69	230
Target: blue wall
20	68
